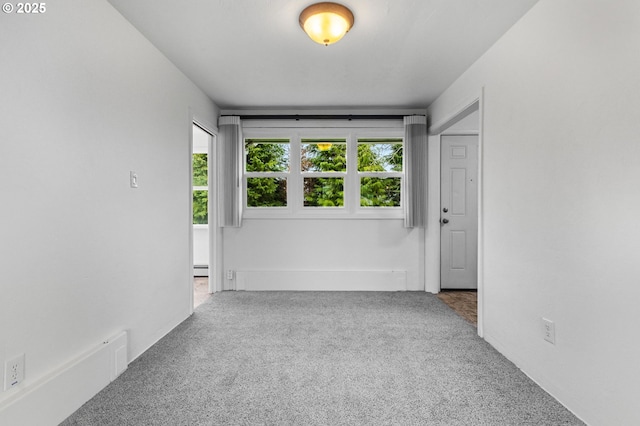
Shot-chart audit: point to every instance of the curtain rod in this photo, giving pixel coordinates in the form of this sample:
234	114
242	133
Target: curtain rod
298	117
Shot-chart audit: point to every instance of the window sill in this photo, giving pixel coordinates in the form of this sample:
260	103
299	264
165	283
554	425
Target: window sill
342	214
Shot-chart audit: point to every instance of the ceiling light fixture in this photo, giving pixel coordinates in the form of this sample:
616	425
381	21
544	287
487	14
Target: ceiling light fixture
324	146
326	22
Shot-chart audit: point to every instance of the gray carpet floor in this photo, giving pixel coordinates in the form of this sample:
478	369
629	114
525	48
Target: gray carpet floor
307	358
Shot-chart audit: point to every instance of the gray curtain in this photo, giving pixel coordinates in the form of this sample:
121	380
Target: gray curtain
415	154
230	141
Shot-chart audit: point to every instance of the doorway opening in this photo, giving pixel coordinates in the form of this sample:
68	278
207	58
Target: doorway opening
460	195
201	161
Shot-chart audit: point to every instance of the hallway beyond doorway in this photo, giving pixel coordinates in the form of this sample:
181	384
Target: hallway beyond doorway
200	290
463	302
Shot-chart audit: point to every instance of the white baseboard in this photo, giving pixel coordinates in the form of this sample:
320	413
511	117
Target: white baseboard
53	398
321	280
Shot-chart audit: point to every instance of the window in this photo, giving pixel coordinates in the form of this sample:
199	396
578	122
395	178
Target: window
326	172
323	164
200	176
200	190
267	170
380	172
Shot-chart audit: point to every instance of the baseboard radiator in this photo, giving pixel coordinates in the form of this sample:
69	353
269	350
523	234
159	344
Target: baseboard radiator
52	398
309	280
200	270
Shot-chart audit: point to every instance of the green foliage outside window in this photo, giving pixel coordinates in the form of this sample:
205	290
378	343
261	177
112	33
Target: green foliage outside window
266	192
380	155
326	155
200	170
200	211
267	155
323	192
200	179
380	192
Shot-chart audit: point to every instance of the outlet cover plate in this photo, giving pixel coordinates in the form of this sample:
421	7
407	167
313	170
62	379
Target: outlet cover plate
13	371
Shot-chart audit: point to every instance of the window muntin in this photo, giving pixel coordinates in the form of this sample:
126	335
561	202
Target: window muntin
267	165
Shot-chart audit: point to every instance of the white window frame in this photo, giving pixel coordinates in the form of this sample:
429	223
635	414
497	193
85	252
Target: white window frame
295	132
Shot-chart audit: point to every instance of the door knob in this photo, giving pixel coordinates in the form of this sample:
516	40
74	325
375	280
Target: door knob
445	220
445	210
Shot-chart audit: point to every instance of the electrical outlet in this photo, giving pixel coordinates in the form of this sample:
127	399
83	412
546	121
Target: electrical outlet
230	274
548	331
13	371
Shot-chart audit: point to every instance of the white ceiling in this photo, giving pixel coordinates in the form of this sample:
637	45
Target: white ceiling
253	53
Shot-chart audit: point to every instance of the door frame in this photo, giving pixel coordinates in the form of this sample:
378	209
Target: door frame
435	132
215	237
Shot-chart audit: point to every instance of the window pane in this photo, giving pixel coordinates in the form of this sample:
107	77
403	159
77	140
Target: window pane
323	192
323	155
200	211
200	170
266	192
267	155
380	155
380	192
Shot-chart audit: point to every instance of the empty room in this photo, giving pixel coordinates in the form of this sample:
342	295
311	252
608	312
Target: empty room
220	212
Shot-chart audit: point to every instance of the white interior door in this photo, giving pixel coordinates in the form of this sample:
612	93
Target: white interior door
459	212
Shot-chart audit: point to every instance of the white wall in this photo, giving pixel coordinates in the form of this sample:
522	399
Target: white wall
201	245
86	99
326	245
561	207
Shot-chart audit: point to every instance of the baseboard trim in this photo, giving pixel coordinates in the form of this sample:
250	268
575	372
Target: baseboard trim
54	397
388	280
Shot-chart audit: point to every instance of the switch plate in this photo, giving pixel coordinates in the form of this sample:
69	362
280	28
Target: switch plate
549	331
13	372
133	179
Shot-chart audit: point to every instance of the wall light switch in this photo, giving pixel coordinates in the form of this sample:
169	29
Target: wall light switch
133	179
548	331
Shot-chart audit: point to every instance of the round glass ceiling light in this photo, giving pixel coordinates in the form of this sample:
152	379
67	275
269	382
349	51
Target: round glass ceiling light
326	22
